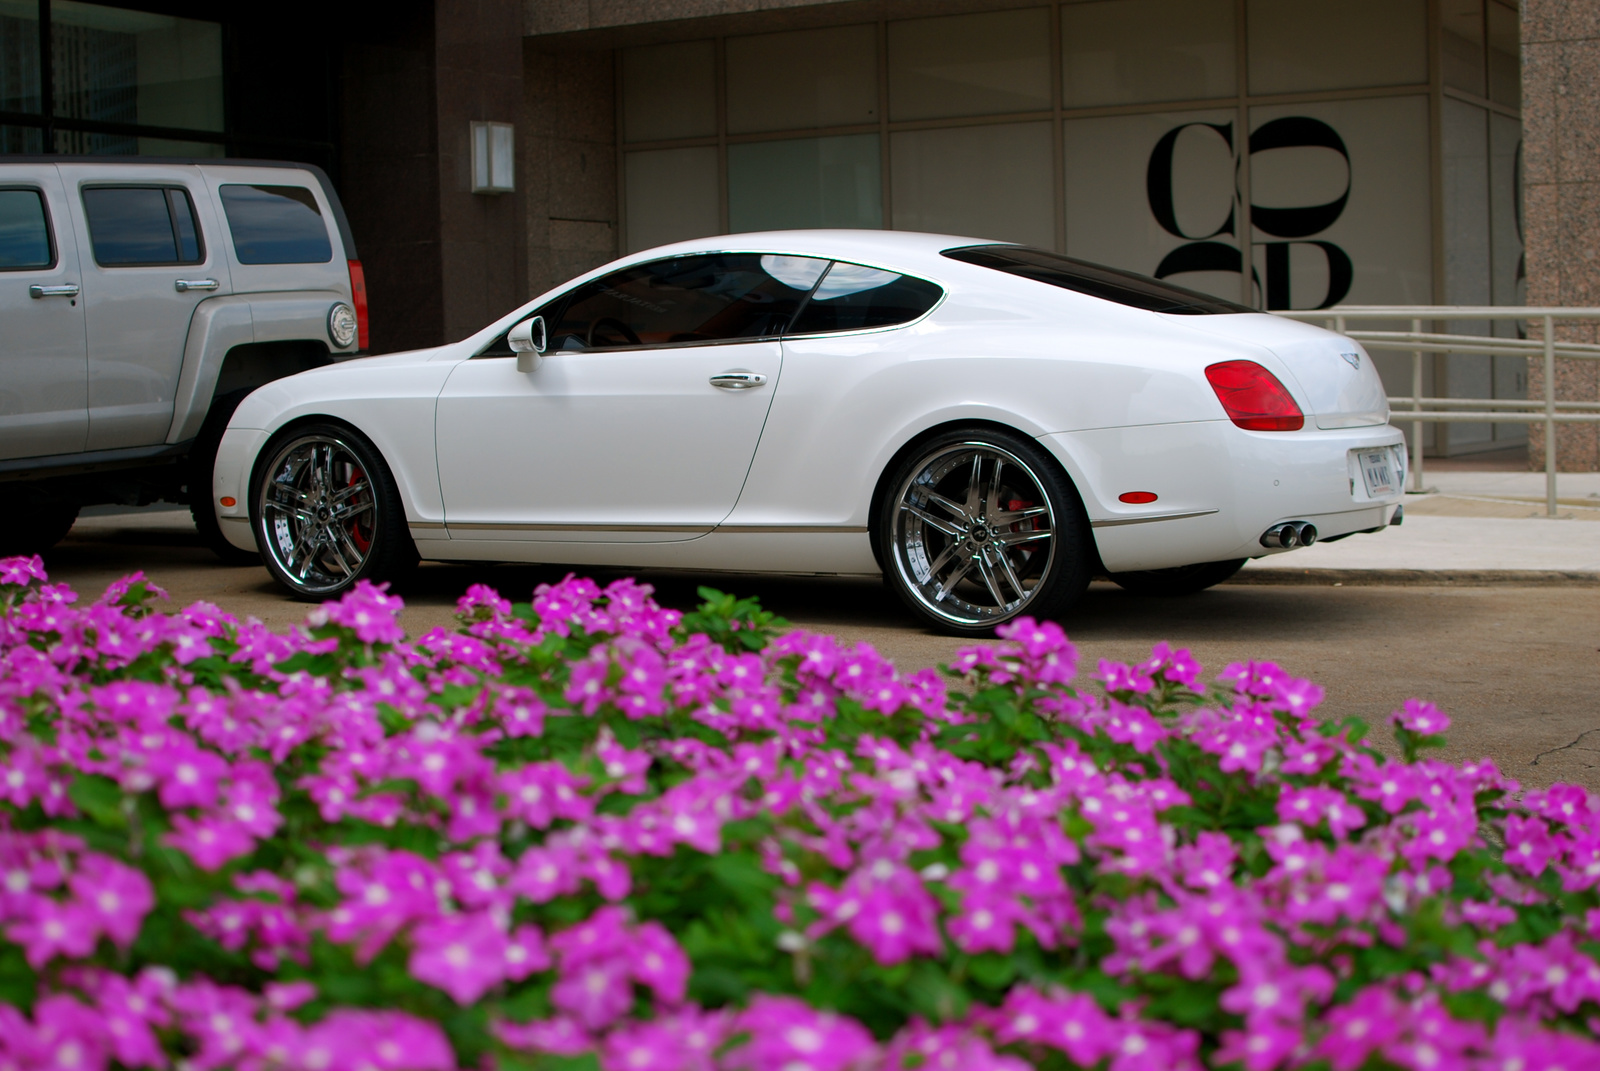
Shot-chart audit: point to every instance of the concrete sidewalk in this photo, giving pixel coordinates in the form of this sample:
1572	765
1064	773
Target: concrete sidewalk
1473	525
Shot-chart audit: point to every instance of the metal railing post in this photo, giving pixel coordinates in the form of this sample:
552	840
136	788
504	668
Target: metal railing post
1550	416
1416	405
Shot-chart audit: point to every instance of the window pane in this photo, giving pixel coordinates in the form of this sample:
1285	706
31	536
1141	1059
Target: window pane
861	297
1134	51
687	299
276	225
1156	194
19	58
132	67
1096	280
982	181
969	65
1461	29
671	196
21	139
807	78
1336	44
1505	55
24	234
808	182
669	91
183	223
129	226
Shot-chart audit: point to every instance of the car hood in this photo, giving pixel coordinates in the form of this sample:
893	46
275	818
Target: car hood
1334	374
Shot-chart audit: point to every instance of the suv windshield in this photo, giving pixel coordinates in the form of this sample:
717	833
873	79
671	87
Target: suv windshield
1096	280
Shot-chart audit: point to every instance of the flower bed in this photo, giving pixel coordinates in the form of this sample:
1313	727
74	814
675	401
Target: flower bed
589	830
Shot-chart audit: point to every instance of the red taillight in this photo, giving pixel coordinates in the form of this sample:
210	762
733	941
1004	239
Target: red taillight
1254	398
358	295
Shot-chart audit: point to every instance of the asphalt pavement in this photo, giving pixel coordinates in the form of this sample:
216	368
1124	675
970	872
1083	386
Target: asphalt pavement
1477	602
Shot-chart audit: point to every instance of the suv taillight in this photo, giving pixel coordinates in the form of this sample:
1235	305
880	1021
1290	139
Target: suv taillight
1254	398
358	297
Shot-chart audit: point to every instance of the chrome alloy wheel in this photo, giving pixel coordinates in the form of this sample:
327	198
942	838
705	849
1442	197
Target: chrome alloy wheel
973	534
317	513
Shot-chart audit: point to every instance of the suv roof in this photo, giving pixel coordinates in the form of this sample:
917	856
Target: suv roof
207	161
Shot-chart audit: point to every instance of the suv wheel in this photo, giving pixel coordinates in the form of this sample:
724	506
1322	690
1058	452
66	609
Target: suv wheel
36	528
327	513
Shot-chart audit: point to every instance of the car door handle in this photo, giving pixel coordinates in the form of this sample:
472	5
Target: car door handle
184	285
738	380
63	290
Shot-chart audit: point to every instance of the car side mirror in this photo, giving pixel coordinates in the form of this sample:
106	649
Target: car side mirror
527	340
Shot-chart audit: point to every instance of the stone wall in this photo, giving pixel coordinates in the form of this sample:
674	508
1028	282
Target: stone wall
1561	199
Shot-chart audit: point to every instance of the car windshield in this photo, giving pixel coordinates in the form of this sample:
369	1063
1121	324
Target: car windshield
1096	280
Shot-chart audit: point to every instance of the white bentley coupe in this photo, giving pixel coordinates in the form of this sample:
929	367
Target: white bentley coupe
986	425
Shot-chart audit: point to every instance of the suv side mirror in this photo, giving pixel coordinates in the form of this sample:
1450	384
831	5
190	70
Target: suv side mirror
527	340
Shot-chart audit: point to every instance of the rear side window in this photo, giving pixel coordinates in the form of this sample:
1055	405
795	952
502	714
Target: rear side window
1096	280
852	297
276	225
703	298
24	232
132	226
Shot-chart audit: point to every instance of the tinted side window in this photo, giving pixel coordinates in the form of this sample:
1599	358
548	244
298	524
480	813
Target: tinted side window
24	233
701	298
276	225
1096	280
852	297
141	225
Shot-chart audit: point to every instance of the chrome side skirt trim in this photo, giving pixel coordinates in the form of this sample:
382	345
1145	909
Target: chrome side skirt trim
1118	521
686	529
425	526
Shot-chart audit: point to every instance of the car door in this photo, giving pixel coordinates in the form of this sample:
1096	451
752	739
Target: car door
640	423
147	264
43	370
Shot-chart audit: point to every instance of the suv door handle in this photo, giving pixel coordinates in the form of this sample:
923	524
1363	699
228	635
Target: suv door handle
195	284
738	380
63	290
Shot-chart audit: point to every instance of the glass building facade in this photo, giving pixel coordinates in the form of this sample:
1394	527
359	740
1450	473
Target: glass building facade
1288	155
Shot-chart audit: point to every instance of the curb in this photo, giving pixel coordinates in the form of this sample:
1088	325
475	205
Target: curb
1415	577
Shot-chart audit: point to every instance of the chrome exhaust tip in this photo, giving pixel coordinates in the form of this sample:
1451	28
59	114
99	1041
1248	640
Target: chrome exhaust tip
1290	534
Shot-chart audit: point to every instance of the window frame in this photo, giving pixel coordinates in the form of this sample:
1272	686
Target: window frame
49	226
168	189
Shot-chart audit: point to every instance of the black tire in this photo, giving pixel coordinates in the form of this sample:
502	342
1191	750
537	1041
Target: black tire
1178	581
36	527
1020	524
326	512
202	464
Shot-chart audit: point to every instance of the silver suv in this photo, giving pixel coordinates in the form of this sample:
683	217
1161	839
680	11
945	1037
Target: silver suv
140	301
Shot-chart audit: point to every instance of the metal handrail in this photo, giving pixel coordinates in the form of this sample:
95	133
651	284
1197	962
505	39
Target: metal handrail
1416	341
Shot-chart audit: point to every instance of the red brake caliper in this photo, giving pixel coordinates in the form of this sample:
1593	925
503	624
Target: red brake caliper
1031	523
362	541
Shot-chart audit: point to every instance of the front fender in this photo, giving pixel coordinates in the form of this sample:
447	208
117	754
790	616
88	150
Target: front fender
221	323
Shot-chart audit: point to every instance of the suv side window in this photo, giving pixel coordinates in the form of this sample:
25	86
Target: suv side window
135	226
24	231
276	225
702	298
852	297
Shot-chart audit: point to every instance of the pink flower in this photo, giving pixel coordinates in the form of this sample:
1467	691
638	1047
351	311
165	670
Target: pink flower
788	1033
464	955
22	571
659	963
1529	845
1421	718
54	929
209	841
117	896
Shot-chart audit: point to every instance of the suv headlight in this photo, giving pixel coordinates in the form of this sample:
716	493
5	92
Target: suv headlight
342	326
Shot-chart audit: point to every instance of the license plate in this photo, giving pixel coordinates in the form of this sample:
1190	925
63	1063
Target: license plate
1377	472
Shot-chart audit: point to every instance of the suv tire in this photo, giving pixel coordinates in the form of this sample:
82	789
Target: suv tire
326	512
37	528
